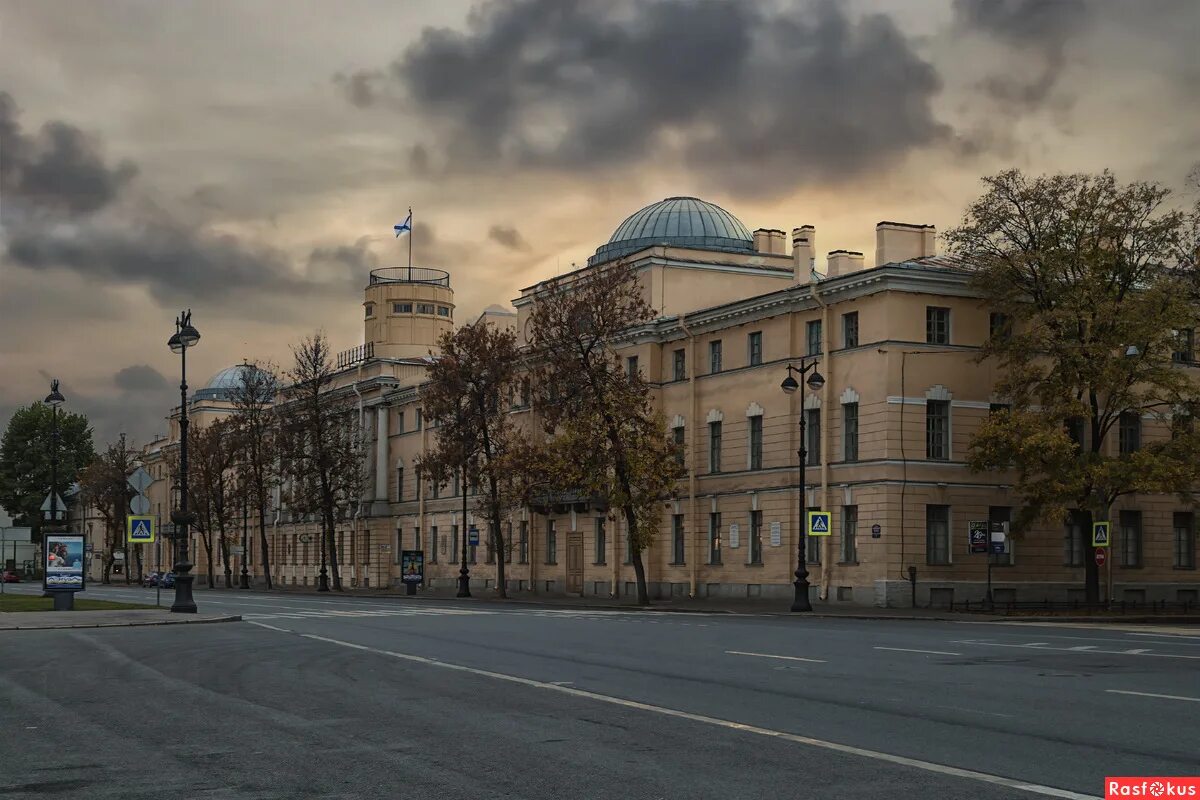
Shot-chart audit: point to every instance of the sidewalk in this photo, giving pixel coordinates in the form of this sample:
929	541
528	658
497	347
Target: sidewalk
52	620
776	607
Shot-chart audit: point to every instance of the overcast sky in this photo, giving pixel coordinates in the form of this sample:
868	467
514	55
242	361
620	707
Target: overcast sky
248	159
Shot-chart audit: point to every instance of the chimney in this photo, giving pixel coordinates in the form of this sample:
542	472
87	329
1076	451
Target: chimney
761	240
776	242
901	241
804	250
843	262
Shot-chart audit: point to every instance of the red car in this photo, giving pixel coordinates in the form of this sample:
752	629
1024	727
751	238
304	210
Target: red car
8	576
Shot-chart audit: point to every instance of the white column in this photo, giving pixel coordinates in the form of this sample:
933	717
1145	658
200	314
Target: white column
381	453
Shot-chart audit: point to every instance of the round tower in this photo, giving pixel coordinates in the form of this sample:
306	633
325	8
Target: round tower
406	309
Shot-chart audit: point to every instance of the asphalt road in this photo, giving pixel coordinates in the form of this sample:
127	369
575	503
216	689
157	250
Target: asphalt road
335	697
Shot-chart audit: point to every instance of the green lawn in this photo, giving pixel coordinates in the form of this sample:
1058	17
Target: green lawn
24	602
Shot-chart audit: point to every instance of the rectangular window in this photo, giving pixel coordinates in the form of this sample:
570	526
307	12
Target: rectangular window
399	484
813	330
525	392
714	356
1184	523
850	431
714	538
424	308
443	311
551	542
755	554
1075	430
417	538
937	534
631	366
523	544
754	345
714	447
472	549
417	421
849	534
680	446
400	422
679	363
994	408
508	543
1130	432
999	326
456	489
1131	538
437	490
677	540
454	545
937	429
1184	349
436	544
812	435
401	308
756	441
937	325
601	542
1073	540
850	329
490	546
370	310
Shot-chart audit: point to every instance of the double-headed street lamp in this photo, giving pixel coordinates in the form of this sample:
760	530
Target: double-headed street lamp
185	336
54	400
790	385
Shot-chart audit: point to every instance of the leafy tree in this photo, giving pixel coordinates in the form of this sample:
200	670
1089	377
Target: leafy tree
615	442
322	443
104	484
468	392
1093	278
258	433
25	459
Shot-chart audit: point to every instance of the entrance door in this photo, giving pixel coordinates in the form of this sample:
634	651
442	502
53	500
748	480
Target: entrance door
575	563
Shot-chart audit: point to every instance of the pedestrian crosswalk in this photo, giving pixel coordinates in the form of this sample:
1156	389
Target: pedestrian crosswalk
332	613
449	612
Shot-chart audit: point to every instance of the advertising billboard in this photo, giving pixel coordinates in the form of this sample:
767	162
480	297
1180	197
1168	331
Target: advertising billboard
63	558
412	566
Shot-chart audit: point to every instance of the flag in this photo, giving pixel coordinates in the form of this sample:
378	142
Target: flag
403	226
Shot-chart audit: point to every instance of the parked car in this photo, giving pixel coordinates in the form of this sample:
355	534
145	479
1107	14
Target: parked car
8	576
167	580
151	578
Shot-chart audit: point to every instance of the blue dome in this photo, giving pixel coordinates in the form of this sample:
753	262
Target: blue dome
678	221
222	385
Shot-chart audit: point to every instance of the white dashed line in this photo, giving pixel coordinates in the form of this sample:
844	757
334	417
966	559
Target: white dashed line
1151	694
910	650
769	655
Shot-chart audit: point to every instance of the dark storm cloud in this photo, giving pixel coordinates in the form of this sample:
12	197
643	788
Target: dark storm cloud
62	211
59	168
361	87
508	236
140	378
1040	27
736	91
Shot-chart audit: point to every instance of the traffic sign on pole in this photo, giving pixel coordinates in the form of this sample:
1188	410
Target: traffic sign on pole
139	529
1100	534
140	480
819	523
1101	555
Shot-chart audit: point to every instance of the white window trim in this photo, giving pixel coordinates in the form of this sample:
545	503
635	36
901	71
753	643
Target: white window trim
677	422
754	410
849	396
715	415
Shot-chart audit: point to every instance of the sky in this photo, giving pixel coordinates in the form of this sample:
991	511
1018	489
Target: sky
247	160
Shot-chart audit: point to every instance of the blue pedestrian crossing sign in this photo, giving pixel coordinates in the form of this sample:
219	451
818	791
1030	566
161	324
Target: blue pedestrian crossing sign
1100	534
139	529
819	523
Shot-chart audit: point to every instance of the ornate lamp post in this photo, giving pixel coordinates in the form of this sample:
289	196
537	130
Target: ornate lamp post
54	400
185	336
245	542
464	572
790	385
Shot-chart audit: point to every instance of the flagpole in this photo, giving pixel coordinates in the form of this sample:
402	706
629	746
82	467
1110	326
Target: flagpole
410	238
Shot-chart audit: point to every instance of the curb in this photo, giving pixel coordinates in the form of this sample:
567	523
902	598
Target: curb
131	624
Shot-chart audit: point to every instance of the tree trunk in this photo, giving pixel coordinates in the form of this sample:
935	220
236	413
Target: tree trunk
206	540
225	561
1091	572
498	549
639	569
331	550
125	550
262	542
140	566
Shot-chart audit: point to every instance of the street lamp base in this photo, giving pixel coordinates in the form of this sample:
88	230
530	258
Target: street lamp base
322	581
245	583
801	602
184	604
464	585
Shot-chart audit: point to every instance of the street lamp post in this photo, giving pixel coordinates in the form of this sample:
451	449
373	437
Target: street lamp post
245	540
464	573
185	336
323	574
54	400
790	385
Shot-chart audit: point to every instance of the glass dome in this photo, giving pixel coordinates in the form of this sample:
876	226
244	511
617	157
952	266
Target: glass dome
681	222
222	385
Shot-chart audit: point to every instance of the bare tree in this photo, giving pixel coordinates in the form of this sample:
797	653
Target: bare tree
615	441
104	484
213	490
258	434
322	442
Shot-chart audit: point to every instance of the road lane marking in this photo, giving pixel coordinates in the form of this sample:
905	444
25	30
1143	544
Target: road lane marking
265	625
1077	650
904	761
768	655
910	650
1152	694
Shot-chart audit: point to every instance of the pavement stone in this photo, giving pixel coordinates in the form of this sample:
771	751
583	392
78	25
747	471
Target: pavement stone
52	620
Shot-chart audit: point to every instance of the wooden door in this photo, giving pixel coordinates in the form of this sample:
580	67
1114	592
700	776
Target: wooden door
575	563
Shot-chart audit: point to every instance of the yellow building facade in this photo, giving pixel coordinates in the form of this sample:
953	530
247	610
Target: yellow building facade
888	434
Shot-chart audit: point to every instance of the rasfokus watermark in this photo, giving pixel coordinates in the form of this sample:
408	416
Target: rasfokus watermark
1151	787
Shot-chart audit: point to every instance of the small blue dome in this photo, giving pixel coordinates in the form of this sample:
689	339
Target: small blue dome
222	385
678	221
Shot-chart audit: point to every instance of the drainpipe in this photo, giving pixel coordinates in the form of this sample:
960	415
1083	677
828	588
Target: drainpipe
358	510
691	423
826	448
